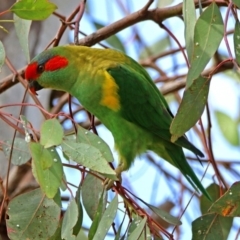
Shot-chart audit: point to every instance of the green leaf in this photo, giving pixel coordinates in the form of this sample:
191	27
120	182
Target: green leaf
47	168
57	198
20	154
233	75
164	3
32	216
57	234
118	235
208	34
77	227
2	55
107	219
92	189
236	41
189	16
211	226
144	234
228	205
237	3
205	204
228	127
51	133
114	41
97	216
155	48
69	220
85	136
164	215
22	28
63	186
33	10
191	107
88	156
81	235
136	231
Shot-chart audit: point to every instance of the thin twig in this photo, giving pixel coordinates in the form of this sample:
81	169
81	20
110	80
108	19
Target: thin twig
78	19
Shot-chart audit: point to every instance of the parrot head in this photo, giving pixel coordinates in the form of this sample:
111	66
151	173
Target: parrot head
46	70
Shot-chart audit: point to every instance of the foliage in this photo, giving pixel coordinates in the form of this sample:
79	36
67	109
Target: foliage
52	150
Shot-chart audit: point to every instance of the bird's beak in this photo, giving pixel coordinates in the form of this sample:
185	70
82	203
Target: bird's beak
34	86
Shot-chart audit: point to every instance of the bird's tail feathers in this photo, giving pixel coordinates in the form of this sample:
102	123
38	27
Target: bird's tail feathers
187	171
183	142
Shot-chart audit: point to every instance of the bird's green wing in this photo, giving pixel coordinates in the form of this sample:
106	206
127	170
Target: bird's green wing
142	104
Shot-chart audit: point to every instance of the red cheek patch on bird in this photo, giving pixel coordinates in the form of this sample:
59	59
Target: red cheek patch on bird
56	63
31	71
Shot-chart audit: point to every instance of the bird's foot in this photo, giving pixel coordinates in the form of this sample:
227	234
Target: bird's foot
108	183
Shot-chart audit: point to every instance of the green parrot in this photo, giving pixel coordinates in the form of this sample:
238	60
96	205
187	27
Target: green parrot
121	94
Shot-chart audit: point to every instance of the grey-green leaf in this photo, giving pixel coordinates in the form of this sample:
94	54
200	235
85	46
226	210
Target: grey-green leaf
69	220
228	205
51	133
88	156
22	28
92	189
97	216
134	227
20	154
164	3
189	16
77	227
135	234
237	3
2	55
211	226
47	168
155	48
208	34
236	41
228	127
107	219
85	136
164	215
191	107
113	40
32	216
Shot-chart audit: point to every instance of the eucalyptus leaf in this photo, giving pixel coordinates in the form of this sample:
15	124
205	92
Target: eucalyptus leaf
51	133
211	226
32	215
2	55
228	205
208	33
22	27
69	221
33	10
191	107
228	127
107	219
88	156
20	153
189	16
236	41
92	190
113	40
47	168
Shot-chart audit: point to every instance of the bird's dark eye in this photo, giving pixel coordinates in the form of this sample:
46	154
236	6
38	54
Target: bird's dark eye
40	68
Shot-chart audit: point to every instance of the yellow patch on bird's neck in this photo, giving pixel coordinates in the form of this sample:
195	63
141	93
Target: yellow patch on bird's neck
110	97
